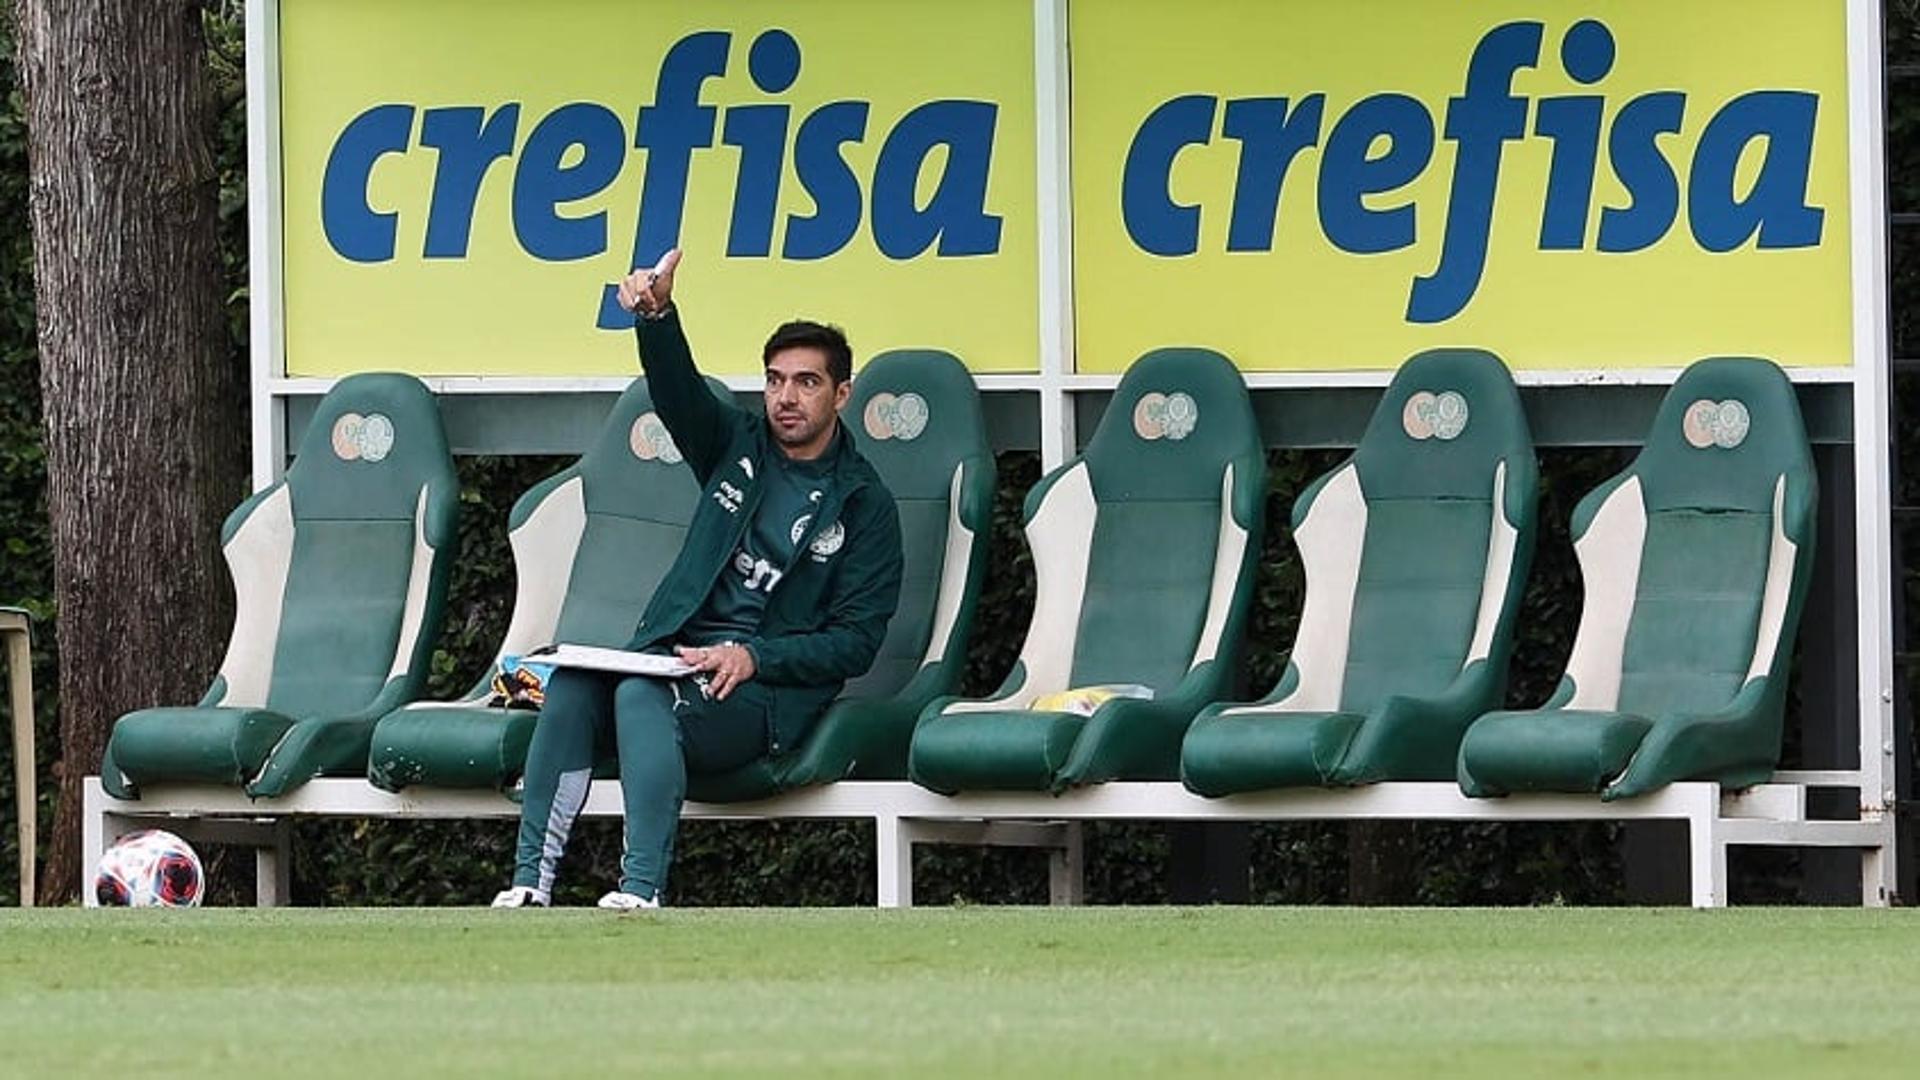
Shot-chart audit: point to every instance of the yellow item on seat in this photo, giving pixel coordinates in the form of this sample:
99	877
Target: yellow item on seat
1084	700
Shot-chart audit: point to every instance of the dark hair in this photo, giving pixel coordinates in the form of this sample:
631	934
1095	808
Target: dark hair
806	334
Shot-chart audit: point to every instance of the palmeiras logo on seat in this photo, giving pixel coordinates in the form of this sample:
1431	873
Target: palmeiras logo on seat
1716	423
1428	415
362	438
650	440
1165	416
896	416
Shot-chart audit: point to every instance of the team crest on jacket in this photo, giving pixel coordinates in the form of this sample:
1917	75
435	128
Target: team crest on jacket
830	540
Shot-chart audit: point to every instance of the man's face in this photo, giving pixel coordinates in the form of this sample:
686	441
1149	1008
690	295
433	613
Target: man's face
802	399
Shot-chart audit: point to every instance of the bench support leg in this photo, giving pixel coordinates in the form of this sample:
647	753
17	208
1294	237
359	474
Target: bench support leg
1877	881
893	862
273	867
98	831
1707	854
1067	868
92	839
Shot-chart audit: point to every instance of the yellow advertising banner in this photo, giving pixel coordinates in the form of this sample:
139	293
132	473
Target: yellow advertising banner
464	180
1319	185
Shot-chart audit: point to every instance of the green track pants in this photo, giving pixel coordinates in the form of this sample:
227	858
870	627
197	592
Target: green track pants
660	729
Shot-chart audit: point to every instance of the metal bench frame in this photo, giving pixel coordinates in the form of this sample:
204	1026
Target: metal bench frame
905	815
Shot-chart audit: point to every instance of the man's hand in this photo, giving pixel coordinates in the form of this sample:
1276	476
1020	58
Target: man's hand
729	664
647	292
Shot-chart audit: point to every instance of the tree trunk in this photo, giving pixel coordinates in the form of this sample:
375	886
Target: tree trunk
145	441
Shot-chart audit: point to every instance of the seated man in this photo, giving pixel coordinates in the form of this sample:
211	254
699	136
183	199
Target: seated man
783	591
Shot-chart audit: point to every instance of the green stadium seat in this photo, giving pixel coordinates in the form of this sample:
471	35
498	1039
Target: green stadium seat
590	544
340	574
625	513
1416	552
915	415
1696	561
1144	550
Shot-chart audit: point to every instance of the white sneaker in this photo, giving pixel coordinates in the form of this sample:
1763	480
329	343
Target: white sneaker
521	896
626	901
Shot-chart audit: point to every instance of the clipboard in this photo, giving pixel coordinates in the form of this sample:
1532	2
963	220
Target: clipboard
621	661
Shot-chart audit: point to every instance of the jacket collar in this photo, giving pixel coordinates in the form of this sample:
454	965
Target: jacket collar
849	469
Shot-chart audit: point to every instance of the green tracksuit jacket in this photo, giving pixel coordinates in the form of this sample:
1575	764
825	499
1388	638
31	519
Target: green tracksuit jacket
826	617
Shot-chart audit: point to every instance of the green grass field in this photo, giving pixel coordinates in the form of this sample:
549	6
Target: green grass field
1269	992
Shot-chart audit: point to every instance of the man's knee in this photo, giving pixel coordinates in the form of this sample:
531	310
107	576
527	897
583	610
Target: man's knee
645	703
573	699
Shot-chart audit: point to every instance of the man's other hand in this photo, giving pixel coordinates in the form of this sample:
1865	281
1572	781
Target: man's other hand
729	664
647	292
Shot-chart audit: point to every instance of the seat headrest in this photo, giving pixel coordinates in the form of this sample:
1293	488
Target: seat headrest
375	440
915	414
633	459
1176	420
1448	416
1725	433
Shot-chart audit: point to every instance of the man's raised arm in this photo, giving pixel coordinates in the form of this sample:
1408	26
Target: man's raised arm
701	424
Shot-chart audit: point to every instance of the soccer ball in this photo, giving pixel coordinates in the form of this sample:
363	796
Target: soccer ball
149	869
